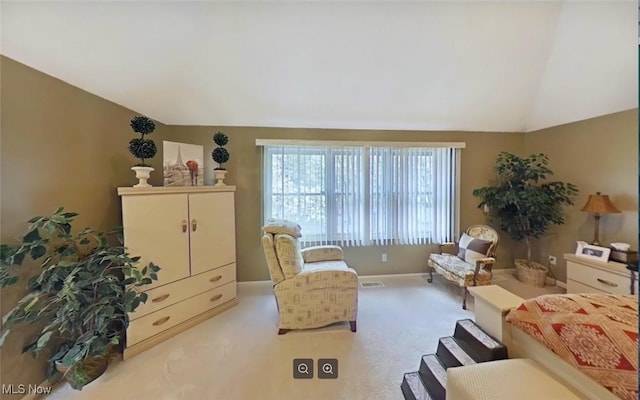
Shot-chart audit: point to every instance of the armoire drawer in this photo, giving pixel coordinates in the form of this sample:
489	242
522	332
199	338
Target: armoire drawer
156	322
177	291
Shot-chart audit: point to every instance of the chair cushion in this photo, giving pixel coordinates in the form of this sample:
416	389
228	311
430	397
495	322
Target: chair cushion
275	226
454	269
289	256
272	259
472	249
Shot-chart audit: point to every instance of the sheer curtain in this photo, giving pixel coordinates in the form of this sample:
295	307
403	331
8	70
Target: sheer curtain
360	195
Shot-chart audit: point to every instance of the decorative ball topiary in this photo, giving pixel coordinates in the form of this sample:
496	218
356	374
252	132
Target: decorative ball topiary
220	139
220	154
142	148
143	125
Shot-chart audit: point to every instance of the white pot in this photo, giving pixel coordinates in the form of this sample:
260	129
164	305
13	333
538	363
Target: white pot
220	174
142	173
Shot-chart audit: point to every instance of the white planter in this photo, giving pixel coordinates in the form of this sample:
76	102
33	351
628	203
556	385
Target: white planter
220	174
142	173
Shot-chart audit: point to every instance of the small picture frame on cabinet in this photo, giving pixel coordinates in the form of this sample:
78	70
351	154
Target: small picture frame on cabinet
587	250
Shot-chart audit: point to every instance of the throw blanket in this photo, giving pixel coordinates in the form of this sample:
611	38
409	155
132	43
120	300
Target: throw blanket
596	333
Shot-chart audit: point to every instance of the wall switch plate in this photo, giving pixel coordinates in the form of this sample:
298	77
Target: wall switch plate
384	257
552	260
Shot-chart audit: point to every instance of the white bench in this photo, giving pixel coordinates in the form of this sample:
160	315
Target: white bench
518	378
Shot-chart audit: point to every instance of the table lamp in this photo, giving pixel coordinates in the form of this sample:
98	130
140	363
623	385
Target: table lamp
599	204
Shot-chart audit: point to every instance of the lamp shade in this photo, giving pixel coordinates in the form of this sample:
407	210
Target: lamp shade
600	204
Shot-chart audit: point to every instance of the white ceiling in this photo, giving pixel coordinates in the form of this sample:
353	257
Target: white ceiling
475	65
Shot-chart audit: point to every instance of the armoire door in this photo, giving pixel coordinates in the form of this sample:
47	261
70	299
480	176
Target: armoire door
213	234
156	228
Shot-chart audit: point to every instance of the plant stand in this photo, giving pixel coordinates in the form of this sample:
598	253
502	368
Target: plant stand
142	173
220	174
531	273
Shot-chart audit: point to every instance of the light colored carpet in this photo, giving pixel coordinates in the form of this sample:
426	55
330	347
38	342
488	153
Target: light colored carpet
237	355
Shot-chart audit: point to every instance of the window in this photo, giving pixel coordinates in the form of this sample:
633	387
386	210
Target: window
363	195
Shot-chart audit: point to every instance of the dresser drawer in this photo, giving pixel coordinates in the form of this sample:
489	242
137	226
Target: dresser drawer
577	287
175	314
174	292
599	279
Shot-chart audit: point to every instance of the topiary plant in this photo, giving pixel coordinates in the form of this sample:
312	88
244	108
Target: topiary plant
520	202
220	154
142	148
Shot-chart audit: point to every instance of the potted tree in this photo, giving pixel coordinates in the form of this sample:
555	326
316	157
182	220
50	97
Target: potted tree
525	205
81	295
221	156
141	148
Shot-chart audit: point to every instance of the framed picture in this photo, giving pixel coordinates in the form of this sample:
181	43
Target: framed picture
182	164
585	249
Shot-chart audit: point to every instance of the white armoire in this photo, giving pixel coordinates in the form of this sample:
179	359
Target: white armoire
189	232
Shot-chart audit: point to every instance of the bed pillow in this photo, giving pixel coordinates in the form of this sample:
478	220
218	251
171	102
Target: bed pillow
276	226
472	249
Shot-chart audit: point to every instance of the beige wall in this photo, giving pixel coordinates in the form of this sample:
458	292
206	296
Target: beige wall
60	146
245	167
598	154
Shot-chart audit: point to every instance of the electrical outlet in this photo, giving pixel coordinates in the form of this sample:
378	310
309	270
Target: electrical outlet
384	257
552	260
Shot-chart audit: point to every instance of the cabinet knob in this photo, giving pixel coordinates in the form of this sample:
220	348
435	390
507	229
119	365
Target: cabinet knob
161	298
161	321
194	224
215	278
216	297
608	283
184	225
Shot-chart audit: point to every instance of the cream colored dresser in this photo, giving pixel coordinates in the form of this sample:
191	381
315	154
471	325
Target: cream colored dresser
189	232
587	275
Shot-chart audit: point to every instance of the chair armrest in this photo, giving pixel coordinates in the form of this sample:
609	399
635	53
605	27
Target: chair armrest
320	279
448	247
322	253
485	262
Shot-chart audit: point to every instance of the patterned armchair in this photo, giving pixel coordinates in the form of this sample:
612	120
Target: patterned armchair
471	262
313	287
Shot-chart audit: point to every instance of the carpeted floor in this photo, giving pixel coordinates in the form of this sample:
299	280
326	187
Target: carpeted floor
237	355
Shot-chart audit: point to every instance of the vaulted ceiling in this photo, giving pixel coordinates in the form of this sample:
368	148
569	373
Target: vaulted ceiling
455	65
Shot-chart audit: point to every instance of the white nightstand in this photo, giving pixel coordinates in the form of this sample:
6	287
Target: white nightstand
587	275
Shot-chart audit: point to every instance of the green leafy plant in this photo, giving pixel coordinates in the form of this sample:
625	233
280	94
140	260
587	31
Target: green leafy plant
220	154
521	202
142	148
83	291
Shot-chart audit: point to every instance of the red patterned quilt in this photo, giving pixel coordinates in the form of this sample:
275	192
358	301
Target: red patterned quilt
596	333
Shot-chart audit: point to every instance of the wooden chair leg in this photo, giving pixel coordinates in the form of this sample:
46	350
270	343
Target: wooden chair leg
464	298
283	331
430	275
353	326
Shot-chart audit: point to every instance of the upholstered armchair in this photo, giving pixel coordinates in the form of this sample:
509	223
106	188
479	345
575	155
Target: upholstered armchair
468	262
313	287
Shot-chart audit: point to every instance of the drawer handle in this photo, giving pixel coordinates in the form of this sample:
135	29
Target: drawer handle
184	226
216	297
161	321
215	278
612	284
161	298
194	224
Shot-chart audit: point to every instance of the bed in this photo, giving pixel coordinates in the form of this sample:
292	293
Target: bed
589	341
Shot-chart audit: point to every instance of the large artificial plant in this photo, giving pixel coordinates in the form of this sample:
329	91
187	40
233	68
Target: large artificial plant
220	154
142	148
521	201
81	294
